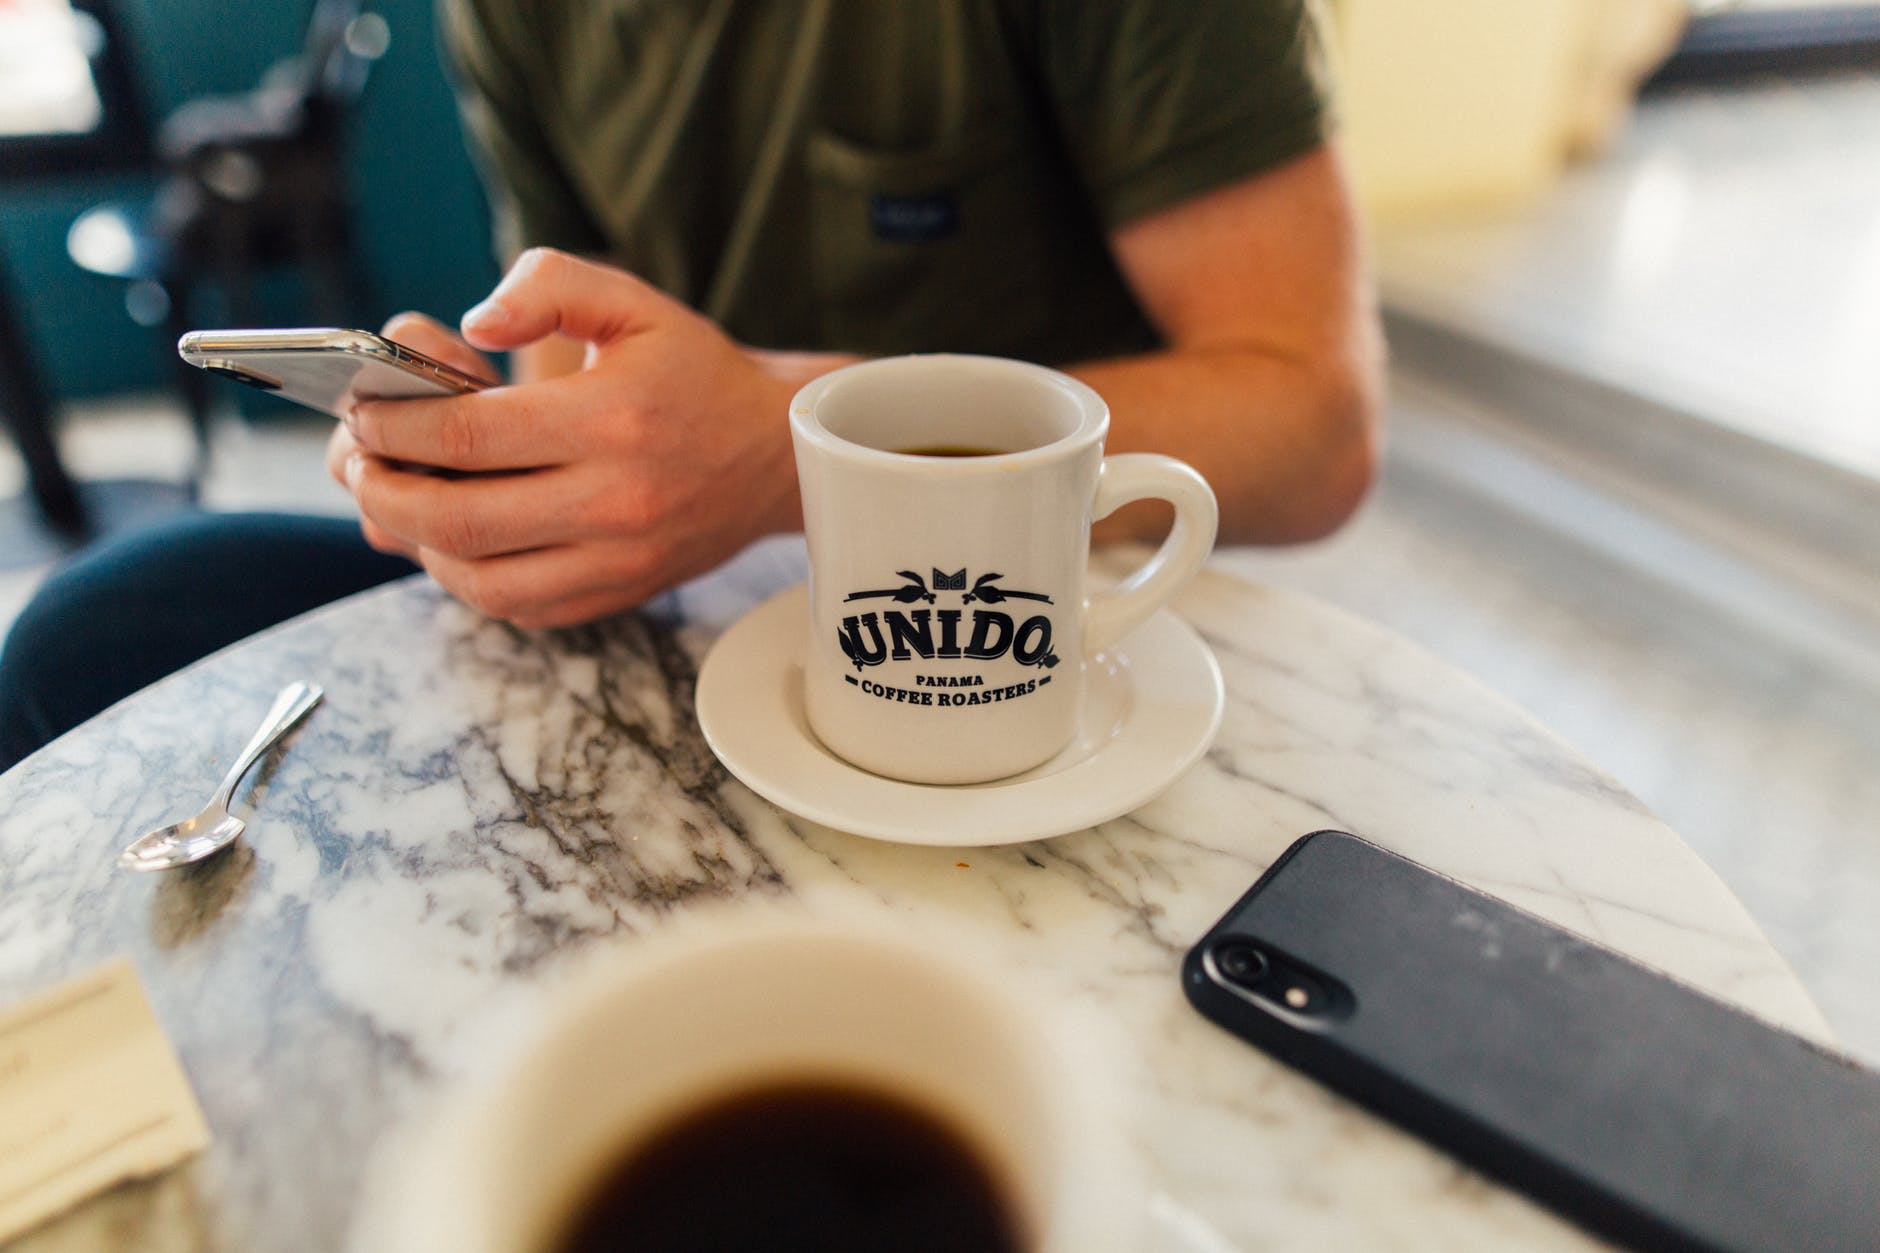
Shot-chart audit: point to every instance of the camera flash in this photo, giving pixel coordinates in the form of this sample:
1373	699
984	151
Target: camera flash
1297	998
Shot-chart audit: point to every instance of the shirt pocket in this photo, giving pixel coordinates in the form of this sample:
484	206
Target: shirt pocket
936	248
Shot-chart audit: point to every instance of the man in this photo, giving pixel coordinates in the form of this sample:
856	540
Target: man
1140	192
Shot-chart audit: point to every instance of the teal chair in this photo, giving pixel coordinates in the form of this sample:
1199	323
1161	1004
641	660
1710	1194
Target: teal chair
253	183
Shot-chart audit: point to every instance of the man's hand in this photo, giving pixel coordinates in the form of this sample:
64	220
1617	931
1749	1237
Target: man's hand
665	454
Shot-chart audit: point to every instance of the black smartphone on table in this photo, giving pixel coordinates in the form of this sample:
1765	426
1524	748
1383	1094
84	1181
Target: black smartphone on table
324	368
1630	1102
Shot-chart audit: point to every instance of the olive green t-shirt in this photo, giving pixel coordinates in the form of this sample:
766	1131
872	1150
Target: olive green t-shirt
878	176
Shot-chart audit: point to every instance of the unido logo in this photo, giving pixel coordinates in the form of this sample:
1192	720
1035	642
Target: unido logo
872	637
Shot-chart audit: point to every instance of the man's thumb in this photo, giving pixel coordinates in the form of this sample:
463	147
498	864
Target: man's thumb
546	291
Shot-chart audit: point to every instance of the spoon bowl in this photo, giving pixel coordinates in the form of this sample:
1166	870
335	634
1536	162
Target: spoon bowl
183	842
215	828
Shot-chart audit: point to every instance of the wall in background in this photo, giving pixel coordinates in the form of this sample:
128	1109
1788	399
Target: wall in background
423	231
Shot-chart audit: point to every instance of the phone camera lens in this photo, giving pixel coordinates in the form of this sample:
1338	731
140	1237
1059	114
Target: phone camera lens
1241	963
1276	981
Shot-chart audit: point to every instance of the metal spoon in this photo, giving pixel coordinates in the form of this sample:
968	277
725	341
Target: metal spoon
215	828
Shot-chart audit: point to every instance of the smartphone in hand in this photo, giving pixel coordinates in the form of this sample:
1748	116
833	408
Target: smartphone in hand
1629	1102
324	368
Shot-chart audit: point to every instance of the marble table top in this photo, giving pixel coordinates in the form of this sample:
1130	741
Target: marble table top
475	805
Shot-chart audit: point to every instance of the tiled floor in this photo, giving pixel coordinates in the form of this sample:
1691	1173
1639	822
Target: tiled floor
1725	259
273	464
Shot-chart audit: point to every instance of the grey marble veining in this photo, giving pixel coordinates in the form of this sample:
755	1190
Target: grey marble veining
474	806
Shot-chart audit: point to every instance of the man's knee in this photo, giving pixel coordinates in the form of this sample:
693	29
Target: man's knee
52	666
129	612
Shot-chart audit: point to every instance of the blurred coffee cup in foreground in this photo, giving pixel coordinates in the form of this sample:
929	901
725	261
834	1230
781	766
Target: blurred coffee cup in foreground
779	1085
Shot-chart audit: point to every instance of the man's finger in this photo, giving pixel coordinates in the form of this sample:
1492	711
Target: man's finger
547	587
340	446
439	342
504	428
465	518
547	291
382	540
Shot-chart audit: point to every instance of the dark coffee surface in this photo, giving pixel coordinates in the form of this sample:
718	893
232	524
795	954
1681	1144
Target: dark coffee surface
808	1168
949	450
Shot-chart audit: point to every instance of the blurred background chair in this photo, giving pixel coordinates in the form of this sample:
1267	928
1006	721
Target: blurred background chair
252	184
27	412
79	112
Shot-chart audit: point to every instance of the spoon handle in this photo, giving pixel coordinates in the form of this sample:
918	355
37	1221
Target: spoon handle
289	707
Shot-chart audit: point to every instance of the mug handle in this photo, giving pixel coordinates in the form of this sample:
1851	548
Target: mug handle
1133	476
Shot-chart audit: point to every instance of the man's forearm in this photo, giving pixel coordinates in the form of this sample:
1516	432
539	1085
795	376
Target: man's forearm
1289	445
1272	383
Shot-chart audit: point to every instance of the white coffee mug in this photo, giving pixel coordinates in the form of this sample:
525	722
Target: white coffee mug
670	1025
947	501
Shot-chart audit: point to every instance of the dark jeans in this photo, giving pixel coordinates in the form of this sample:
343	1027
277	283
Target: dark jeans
128	612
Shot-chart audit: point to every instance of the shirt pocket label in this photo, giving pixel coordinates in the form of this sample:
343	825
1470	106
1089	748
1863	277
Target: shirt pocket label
916	219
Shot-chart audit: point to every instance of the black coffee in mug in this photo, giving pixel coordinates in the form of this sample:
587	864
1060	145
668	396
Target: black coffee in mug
820	1167
950	450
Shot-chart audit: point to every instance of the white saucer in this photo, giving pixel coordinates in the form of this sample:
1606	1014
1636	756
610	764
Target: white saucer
1154	704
